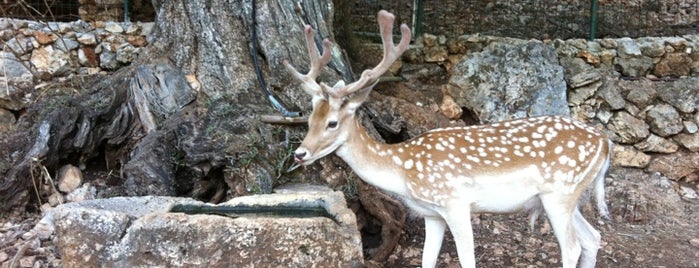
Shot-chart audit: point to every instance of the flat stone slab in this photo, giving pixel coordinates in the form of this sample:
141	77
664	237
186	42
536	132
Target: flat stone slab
142	232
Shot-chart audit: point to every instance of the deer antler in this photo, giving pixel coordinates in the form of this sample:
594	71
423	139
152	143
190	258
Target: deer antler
391	53
308	81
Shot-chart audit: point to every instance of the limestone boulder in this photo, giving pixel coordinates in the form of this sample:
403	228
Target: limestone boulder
19	45
578	73
113	27
676	166
633	67
656	144
66	44
641	93
88	57
126	54
510	79
690	127
651	47
674	65
681	94
143	232
88	39
16	72
628	48
627	128
456	45
7	120
609	92
580	95
689	141
69	178
50	60
45	38
436	54
628	156
108	60
664	120
631	61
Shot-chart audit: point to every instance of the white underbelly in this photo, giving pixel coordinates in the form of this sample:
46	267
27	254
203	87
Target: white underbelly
503	194
504	201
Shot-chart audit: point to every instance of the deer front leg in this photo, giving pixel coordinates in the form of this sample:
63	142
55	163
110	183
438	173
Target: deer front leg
459	221
434	234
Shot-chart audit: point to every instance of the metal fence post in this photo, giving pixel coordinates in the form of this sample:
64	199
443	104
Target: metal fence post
418	17
127	7
593	20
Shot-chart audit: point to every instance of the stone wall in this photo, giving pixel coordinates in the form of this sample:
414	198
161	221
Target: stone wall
69	10
101	10
643	92
113	10
539	19
34	52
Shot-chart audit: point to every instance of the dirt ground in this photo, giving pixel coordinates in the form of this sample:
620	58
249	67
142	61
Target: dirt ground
651	226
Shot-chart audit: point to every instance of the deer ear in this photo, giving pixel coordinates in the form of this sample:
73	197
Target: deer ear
355	100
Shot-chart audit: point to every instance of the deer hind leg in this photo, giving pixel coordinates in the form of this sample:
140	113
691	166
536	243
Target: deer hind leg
434	235
458	219
589	240
560	211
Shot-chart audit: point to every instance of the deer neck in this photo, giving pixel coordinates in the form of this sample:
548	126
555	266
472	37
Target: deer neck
372	160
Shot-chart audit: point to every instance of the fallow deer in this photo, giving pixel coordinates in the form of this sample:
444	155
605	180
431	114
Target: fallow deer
532	164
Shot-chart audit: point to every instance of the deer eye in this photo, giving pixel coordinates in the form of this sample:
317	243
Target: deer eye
332	124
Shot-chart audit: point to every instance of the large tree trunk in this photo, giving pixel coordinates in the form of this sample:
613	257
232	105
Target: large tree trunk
183	119
187	109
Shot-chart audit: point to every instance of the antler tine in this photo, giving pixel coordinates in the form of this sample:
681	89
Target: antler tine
317	62
391	53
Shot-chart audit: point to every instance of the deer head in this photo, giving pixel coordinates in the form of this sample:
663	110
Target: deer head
331	121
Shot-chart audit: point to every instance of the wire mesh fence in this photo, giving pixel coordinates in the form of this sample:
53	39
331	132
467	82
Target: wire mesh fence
46	10
71	10
539	19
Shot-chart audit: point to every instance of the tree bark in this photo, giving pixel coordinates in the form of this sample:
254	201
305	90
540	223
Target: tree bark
183	119
186	109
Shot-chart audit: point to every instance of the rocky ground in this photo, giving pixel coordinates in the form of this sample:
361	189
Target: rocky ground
651	226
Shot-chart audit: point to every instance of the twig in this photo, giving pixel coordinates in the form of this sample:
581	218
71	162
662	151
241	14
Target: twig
36	188
4	70
628	235
279	119
50	181
20	252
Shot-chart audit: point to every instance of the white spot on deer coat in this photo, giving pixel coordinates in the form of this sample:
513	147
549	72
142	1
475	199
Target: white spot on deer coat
408	164
418	166
558	150
397	160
